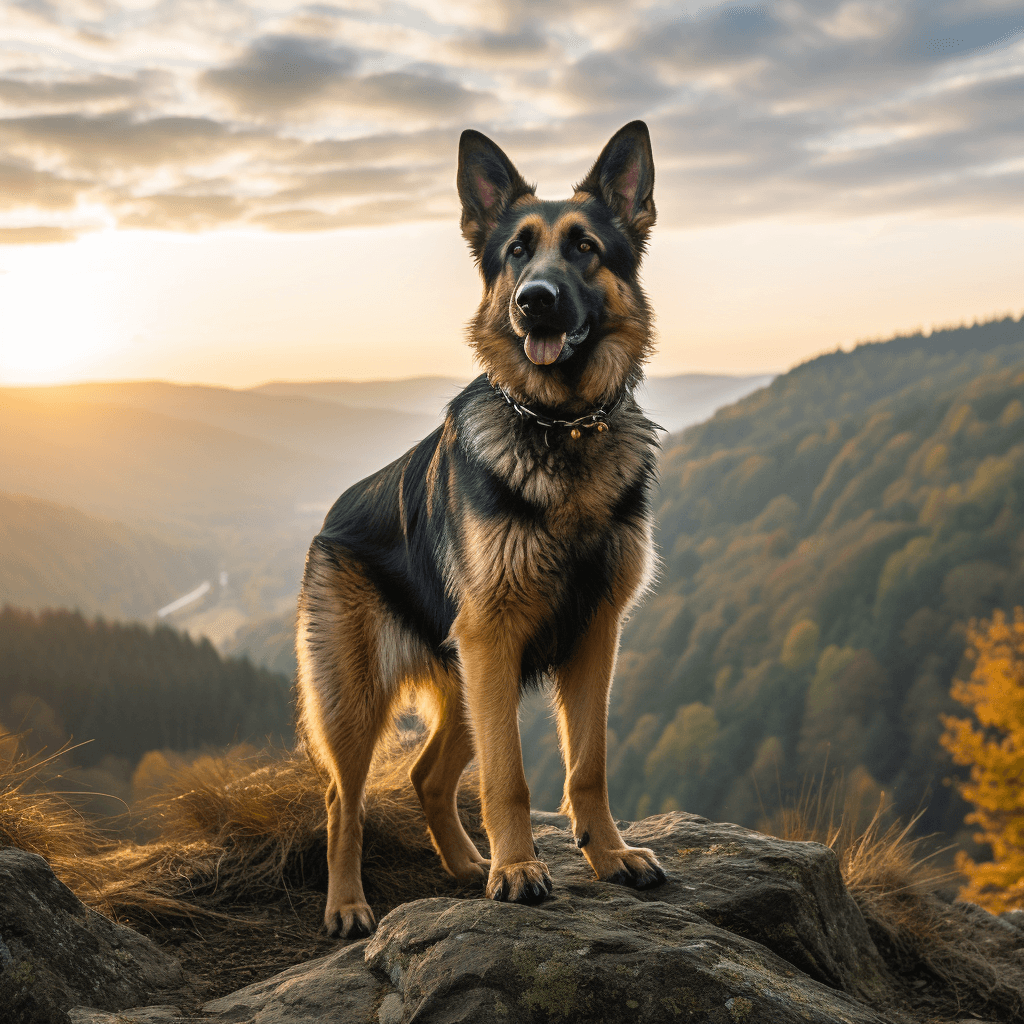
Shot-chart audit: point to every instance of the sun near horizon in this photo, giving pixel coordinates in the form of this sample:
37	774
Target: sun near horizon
238	309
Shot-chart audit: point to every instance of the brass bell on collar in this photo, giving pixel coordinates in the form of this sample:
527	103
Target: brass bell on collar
575	433
602	427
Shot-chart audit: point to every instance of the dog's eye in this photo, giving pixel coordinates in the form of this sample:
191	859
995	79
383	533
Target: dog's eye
517	250
584	246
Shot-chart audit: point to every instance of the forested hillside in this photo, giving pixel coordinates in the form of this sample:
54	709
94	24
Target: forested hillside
55	556
825	541
129	689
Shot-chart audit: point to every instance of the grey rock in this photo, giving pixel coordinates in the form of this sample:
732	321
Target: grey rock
593	960
789	897
138	1015
338	987
1014	918
72	954
748	928
985	920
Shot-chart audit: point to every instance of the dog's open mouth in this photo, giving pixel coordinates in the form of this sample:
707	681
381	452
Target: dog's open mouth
544	349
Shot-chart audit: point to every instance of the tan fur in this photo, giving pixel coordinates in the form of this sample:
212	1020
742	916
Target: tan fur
627	345
581	698
345	703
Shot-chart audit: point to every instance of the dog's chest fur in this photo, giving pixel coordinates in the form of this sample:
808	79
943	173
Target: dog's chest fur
551	525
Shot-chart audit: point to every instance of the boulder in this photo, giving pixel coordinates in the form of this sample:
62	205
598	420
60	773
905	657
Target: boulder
748	928
59	953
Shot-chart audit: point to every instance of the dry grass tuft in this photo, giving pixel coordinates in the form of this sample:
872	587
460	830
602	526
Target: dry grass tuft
235	830
896	885
40	821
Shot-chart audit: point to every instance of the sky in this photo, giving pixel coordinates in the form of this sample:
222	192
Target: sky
234	191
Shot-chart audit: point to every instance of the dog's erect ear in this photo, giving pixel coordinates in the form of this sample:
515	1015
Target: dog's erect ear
488	182
623	177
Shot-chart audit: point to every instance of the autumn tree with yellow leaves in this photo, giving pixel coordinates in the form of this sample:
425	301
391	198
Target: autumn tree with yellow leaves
995	754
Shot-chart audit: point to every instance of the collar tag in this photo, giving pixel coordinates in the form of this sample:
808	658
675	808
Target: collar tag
596	420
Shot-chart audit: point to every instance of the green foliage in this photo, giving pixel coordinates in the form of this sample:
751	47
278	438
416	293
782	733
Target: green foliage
800	644
825	540
128	688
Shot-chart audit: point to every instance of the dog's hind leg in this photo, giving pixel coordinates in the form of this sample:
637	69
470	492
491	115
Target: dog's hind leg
581	700
344	706
348	915
435	777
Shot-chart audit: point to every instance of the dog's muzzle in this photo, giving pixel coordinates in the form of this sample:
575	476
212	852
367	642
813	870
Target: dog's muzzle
539	302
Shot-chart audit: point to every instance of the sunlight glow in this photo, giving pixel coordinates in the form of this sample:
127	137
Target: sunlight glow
240	308
59	307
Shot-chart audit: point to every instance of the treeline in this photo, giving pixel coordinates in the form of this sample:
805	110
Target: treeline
129	689
825	543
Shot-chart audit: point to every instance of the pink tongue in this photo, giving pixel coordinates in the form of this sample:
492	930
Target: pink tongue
543	351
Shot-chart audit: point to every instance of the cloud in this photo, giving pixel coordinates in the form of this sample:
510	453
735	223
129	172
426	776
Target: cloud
610	81
75	93
526	47
355	182
181	212
24	186
319	117
305	74
281	73
124	140
369	213
39	235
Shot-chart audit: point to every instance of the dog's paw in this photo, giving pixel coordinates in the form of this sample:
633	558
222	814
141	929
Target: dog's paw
469	871
349	921
637	868
525	882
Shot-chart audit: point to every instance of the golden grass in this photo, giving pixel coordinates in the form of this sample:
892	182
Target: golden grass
41	821
232	830
896	884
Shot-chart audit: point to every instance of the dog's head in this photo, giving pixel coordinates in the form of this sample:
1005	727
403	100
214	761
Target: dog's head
563	321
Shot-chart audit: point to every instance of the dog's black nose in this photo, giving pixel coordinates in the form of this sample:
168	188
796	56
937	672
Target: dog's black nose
537	297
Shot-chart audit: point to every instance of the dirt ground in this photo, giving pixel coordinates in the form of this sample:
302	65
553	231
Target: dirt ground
254	942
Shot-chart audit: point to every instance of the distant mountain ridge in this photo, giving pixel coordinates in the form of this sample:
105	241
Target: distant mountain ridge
426	396
675	401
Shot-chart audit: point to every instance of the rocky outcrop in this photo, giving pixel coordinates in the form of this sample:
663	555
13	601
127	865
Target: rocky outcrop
58	953
748	928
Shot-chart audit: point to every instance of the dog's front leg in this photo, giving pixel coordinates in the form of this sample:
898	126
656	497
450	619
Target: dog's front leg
581	696
490	668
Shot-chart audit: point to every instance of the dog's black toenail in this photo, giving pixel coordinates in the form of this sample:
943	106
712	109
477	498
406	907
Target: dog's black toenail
501	893
583	840
531	893
548	884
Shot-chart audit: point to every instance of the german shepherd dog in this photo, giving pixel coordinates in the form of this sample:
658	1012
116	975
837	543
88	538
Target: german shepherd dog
504	550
